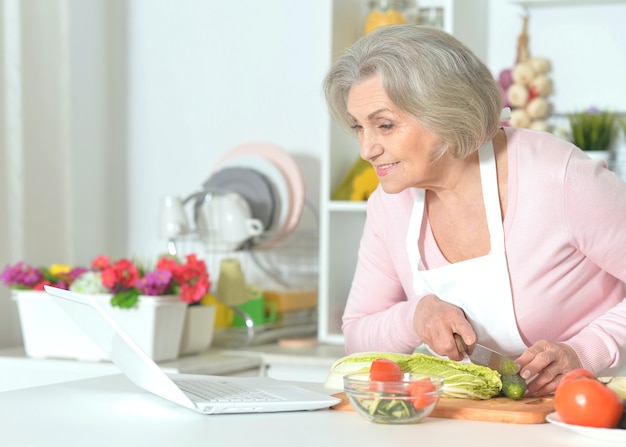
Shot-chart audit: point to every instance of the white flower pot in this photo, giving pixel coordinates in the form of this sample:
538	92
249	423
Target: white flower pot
198	329
155	323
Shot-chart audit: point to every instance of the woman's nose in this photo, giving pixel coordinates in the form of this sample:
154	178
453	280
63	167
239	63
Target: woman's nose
369	145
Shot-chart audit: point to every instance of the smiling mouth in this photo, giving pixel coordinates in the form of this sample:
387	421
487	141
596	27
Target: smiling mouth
384	169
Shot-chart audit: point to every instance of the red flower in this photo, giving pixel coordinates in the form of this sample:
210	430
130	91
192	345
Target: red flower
45	282
120	275
192	293
191	280
100	263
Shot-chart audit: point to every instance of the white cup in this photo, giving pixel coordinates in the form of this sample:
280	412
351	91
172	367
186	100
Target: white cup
225	221
173	218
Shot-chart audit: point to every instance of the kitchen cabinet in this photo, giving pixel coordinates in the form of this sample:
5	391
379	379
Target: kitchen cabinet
341	222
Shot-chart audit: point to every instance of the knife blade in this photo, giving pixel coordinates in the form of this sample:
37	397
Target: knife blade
481	355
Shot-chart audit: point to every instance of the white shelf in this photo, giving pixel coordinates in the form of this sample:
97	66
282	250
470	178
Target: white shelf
347	206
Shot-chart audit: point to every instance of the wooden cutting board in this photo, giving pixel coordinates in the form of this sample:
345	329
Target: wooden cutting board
498	409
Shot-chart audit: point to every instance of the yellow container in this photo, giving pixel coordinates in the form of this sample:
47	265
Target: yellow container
223	313
290	300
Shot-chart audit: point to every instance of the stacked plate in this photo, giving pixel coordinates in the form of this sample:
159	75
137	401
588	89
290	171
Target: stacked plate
270	180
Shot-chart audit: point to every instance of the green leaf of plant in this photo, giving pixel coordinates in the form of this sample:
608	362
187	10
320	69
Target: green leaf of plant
125	299
593	131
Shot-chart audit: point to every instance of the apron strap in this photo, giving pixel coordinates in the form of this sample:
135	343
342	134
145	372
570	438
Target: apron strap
491	198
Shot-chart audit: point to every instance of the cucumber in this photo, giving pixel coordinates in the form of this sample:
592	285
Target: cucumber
513	386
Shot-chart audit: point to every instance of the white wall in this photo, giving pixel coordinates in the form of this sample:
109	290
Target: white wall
207	76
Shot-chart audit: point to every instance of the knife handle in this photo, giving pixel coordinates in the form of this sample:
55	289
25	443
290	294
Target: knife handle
460	344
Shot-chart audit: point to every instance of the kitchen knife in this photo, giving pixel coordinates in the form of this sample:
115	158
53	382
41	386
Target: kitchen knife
481	355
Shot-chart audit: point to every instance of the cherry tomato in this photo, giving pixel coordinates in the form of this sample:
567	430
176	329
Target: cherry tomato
385	370
581	399
419	391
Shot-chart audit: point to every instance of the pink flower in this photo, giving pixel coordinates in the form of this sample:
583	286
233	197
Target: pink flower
154	283
22	276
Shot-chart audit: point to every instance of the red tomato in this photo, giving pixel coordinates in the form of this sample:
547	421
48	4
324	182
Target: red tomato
385	370
579	373
419	390
580	399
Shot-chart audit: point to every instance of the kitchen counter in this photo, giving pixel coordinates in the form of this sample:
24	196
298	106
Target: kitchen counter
295	354
295	361
309	363
65	402
20	371
110	410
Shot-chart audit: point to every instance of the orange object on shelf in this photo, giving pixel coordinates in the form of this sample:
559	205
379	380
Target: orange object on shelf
377	18
290	300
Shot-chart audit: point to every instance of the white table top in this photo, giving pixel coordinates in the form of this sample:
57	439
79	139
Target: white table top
19	371
110	410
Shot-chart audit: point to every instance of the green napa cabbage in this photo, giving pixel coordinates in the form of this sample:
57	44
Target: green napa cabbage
461	380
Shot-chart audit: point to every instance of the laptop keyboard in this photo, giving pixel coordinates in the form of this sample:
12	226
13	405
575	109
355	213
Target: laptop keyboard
225	391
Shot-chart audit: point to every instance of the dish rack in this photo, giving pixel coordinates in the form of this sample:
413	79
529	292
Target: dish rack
290	265
283	257
265	333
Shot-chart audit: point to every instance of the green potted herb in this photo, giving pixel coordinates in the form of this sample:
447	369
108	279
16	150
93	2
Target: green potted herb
593	130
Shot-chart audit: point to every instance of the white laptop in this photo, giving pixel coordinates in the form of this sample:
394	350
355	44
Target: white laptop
201	393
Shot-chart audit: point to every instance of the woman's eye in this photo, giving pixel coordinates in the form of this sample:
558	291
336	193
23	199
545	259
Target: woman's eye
356	127
386	126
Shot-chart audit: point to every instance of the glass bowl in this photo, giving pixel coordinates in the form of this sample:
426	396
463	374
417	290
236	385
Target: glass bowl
407	401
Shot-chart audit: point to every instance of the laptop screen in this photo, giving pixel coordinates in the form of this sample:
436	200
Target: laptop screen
117	344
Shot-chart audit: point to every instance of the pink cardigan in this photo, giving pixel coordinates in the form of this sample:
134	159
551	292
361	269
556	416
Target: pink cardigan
565	233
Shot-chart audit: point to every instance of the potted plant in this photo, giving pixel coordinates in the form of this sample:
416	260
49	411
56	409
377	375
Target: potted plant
150	304
593	129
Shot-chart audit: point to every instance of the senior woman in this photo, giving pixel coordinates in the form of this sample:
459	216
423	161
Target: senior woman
509	237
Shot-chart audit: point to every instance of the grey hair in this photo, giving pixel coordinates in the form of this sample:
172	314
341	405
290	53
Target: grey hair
428	74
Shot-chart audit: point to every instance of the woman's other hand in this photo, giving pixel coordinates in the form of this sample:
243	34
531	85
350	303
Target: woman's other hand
436	321
546	363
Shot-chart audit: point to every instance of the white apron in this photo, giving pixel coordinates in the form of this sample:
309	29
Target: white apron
479	286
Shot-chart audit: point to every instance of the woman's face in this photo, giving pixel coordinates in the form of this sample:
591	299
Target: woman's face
399	148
